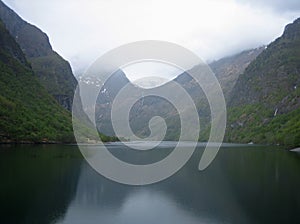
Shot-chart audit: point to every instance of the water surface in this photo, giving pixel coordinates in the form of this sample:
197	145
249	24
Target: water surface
245	184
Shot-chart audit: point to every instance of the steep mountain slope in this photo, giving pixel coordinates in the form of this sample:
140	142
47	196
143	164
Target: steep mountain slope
265	103
54	72
227	71
27	112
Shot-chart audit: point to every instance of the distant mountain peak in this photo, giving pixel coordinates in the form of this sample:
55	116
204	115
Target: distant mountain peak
292	30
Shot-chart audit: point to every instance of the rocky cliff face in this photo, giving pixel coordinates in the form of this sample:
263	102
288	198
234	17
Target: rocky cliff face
264	105
54	72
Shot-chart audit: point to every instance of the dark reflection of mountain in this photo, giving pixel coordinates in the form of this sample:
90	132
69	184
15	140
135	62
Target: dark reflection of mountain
242	185
269	190
207	194
188	195
238	187
37	183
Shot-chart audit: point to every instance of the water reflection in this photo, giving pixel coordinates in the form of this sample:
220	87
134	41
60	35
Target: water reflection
189	196
37	183
107	202
267	182
243	185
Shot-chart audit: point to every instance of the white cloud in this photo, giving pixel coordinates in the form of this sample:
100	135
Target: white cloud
83	30
138	71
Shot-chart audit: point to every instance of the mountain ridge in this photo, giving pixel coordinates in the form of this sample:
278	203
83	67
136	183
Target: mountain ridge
54	72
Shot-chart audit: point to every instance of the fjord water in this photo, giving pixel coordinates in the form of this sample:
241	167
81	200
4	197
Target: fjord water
244	184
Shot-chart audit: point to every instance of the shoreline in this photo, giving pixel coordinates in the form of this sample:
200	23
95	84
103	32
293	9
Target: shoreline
24	142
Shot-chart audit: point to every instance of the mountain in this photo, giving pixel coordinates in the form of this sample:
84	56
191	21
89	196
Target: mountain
27	112
37	88
265	102
141	112
53	71
226	70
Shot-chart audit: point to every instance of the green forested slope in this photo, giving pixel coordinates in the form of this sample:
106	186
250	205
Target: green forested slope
265	103
27	111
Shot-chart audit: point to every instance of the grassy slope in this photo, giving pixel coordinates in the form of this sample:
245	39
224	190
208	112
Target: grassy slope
257	124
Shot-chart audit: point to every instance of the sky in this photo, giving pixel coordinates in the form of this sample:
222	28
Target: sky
83	30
